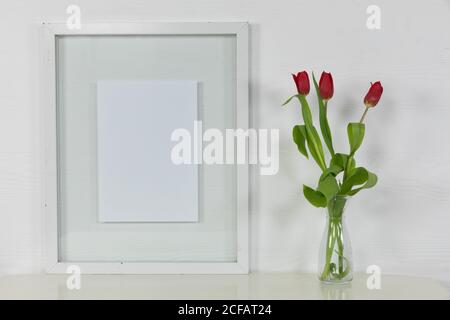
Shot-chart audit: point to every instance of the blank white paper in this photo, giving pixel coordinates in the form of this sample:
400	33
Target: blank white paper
137	181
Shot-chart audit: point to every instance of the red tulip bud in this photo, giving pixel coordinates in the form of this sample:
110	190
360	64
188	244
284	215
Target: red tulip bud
302	82
373	96
326	86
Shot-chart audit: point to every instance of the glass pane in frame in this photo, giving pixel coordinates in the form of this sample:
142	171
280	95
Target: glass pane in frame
83	61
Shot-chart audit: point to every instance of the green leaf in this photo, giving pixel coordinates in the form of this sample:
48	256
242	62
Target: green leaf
328	186
356	177
299	135
333	170
314	148
312	137
324	126
326	190
289	100
306	110
371	181
316	198
355	133
340	160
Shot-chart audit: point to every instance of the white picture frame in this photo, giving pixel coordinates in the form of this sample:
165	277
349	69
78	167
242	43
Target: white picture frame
49	146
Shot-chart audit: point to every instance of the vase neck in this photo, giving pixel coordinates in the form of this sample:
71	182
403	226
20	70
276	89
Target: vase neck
336	208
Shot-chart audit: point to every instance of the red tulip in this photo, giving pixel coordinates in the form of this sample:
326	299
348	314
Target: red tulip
326	87
302	82
373	96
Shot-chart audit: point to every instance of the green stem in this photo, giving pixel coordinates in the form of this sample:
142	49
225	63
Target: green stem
364	115
329	253
340	247
334	237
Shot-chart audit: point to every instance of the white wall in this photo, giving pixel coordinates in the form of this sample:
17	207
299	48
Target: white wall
401	225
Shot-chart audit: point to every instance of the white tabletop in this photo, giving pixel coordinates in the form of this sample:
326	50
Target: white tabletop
253	286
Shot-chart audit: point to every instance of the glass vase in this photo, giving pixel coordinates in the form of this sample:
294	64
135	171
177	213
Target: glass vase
335	255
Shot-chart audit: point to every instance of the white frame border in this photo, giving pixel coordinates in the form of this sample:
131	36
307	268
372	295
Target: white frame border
49	161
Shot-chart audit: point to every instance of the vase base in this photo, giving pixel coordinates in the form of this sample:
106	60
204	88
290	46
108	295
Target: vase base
336	282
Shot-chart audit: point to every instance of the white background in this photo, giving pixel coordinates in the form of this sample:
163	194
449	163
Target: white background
402	225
